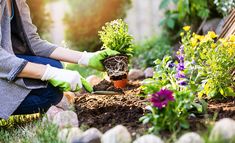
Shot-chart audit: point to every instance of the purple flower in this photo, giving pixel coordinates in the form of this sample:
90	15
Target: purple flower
180	75
182	83
160	99
171	65
180	66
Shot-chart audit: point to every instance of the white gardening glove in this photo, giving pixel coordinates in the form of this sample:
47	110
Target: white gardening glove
65	79
94	60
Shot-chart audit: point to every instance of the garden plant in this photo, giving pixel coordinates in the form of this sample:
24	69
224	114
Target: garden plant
115	36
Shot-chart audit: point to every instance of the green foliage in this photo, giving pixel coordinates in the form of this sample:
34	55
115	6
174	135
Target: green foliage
214	63
224	6
32	132
187	12
86	18
174	115
115	36
84	71
154	48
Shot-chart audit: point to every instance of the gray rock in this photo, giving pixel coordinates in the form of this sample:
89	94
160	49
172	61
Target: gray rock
148	139
66	119
210	25
73	135
135	74
190	138
224	130
50	114
64	104
69	135
118	134
92	135
93	80
149	72
63	135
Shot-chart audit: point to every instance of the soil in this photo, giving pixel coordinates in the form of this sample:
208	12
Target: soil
105	85
106	111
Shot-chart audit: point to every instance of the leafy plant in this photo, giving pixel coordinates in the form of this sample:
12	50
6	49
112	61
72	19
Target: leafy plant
115	36
151	49
170	99
214	62
224	6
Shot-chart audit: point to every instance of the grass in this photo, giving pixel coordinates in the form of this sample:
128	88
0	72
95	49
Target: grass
24	129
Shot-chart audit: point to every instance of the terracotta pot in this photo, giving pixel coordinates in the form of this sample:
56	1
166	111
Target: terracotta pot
120	83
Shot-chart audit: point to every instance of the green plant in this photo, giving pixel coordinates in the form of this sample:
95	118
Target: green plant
224	6
115	36
149	50
171	97
214	62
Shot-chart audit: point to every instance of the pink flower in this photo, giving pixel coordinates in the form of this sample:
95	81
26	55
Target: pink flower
160	99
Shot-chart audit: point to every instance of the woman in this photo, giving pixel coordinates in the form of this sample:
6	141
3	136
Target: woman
31	76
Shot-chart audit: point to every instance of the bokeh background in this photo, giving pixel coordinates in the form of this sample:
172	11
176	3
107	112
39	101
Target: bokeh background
154	24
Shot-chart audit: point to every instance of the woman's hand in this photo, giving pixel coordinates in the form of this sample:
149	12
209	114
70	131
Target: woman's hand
66	80
94	60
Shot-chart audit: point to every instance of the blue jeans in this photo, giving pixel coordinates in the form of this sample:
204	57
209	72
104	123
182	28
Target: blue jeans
40	100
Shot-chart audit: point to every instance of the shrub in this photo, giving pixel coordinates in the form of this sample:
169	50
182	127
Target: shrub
147	51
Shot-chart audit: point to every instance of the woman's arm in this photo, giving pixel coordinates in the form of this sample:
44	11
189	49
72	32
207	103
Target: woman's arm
66	55
32	70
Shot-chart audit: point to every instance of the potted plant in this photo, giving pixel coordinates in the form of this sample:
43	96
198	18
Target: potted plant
115	36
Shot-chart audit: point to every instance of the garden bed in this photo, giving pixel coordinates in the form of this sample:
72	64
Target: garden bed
106	111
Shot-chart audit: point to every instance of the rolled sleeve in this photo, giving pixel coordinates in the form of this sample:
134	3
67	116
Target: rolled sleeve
10	65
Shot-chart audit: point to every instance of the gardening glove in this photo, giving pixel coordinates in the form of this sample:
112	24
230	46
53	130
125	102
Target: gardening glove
66	80
94	60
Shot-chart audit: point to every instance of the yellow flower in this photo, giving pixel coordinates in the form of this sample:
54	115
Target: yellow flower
186	28
231	51
193	42
212	34
181	34
213	45
232	38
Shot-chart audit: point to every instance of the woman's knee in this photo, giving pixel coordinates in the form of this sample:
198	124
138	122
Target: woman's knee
56	64
55	95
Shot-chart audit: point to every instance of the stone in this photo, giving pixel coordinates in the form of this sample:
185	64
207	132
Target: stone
66	119
93	80
210	25
69	135
118	134
64	104
50	114
70	96
135	74
73	135
92	135
190	138
63	135
223	130
149	72
148	139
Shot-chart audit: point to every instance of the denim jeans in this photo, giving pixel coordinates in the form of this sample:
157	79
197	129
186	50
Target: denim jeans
40	100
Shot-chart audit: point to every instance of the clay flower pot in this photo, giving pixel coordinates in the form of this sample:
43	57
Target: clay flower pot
120	83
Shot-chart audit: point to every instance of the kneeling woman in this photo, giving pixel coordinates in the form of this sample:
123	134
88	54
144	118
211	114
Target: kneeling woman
31	76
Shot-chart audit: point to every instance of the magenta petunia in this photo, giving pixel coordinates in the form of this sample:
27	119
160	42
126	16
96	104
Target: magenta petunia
160	99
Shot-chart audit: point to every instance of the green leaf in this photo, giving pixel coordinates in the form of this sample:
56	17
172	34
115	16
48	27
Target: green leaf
171	23
164	4
198	106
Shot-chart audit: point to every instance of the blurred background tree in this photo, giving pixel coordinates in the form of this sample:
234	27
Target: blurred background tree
41	18
86	18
